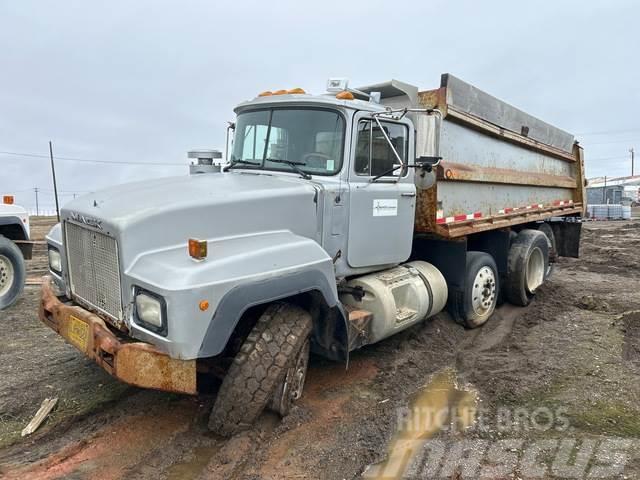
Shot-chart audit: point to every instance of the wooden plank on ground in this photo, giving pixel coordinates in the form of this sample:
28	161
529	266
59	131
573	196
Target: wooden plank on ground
40	416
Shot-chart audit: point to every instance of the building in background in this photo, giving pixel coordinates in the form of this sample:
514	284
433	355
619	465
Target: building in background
617	190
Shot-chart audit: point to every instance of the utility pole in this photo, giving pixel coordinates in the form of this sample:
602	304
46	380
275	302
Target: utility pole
37	209
632	159
55	185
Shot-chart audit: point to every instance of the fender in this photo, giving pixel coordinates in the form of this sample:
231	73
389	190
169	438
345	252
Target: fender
238	273
302	266
18	228
237	301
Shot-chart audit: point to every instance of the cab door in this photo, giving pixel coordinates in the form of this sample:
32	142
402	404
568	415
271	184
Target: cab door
381	211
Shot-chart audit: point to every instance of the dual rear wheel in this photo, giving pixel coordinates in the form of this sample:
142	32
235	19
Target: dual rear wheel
527	269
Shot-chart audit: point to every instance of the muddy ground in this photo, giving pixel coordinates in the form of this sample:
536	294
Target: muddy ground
575	350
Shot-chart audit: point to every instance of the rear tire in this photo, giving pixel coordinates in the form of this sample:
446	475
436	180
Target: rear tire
551	241
12	272
480	297
278	342
527	266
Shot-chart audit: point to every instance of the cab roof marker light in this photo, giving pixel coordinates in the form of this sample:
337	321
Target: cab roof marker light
345	95
267	93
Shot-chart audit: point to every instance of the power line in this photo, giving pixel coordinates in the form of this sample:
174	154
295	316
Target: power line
629	140
604	158
609	132
88	160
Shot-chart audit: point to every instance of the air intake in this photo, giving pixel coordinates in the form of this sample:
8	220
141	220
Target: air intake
204	161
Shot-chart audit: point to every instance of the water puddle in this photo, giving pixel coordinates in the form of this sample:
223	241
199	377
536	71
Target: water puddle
441	404
197	461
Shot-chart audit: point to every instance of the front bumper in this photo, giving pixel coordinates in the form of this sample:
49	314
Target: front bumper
135	363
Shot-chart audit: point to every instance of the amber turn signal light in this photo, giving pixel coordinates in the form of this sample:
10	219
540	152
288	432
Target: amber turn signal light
203	305
7	199
198	249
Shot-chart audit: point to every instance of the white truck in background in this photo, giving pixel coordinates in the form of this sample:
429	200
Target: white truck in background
14	249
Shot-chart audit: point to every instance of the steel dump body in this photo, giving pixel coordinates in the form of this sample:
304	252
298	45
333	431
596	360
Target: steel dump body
500	166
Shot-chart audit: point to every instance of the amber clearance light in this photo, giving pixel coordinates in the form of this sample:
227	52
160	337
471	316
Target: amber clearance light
7	199
345	95
197	249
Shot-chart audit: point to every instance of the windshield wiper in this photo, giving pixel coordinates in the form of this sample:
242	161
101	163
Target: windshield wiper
294	165
238	162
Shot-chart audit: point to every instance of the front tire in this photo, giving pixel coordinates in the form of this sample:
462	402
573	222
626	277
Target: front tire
12	272
278	342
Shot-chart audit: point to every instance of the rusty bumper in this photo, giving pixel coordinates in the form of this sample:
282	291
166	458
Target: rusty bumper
135	363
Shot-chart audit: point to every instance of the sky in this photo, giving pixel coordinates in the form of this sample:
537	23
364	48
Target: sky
147	81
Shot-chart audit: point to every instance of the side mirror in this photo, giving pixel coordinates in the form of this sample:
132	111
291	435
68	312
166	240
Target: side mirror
427	147
231	128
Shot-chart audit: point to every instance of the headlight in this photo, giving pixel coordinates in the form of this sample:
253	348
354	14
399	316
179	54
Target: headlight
55	261
149	310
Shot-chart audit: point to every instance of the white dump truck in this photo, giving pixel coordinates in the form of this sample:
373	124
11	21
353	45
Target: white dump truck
339	220
14	248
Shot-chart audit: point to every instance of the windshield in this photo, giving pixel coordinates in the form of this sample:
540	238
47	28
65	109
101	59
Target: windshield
313	138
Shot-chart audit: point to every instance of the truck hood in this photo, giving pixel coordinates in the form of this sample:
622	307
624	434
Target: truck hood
166	212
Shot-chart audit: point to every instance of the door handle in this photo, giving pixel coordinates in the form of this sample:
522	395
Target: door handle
408	194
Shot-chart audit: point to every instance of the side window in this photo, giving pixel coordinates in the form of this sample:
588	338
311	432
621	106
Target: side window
374	156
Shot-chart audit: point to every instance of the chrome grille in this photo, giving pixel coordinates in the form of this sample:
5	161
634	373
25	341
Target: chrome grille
94	270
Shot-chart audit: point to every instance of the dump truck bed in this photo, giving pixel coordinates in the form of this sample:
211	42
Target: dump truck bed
500	166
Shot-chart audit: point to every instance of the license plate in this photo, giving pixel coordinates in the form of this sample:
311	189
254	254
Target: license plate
78	332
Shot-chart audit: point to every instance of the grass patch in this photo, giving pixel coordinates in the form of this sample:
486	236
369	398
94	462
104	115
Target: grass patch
606	418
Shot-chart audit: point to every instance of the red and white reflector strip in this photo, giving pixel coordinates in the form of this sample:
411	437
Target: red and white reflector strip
457	218
557	203
563	203
440	218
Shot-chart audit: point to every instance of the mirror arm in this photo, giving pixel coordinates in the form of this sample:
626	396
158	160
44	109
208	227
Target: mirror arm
386	137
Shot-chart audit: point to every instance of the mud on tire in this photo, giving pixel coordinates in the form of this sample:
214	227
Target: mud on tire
527	266
264	358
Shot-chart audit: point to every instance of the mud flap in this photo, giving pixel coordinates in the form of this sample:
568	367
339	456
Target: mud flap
331	335
567	235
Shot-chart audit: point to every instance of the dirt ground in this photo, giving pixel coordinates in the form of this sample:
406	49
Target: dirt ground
576	350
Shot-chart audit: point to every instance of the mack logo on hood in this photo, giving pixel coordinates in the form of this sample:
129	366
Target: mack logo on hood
92	222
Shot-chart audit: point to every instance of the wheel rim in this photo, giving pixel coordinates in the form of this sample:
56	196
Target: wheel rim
484	291
7	274
535	270
291	387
